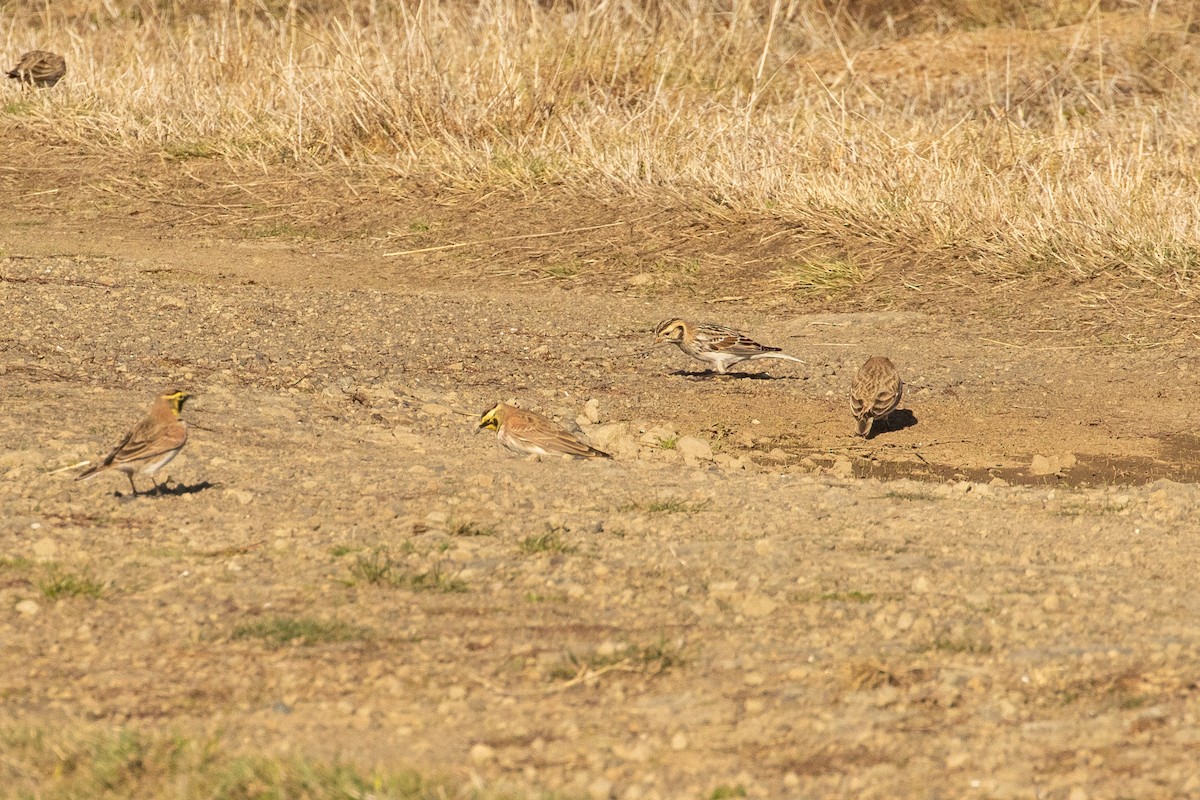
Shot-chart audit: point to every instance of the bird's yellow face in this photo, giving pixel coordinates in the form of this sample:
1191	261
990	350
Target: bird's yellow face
490	419
176	400
669	330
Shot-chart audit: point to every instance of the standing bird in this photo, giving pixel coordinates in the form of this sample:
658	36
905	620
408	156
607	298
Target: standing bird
151	444
715	344
875	392
528	433
40	68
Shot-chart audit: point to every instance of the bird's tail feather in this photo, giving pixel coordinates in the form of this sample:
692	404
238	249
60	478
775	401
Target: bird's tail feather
782	356
88	473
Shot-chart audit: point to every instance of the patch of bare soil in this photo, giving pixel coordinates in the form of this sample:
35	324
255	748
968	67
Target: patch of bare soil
1003	606
337	228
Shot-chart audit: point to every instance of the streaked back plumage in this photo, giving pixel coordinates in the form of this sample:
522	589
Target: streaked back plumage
40	68
715	344
875	392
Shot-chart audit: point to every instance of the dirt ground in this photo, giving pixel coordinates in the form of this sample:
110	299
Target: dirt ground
997	598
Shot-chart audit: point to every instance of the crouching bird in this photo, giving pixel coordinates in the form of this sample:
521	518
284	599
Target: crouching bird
529	433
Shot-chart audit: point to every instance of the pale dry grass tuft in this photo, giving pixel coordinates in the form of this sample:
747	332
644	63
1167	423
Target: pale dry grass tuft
996	140
820	276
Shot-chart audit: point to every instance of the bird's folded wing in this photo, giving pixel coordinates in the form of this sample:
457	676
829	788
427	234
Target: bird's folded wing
147	440
885	400
546	435
730	341
556	441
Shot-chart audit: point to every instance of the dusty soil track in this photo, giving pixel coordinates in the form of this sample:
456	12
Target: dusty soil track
656	627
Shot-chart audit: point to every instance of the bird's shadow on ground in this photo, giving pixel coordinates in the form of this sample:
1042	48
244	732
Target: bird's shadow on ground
898	420
164	490
710	374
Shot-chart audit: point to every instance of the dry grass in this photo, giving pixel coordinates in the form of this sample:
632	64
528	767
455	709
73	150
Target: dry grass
1000	140
822	276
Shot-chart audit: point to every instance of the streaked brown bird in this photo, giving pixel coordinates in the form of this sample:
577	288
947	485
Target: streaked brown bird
40	68
529	433
875	392
715	344
151	444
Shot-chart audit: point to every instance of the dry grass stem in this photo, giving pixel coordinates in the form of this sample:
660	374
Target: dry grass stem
994	141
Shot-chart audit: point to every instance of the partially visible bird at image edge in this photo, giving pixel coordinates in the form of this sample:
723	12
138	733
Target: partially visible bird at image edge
40	68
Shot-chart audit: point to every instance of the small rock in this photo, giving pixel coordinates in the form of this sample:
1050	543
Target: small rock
679	742
611	438
726	461
28	608
600	789
1041	466
45	549
240	496
657	435
757	606
691	447
591	410
1055	465
481	753
842	468
1166	492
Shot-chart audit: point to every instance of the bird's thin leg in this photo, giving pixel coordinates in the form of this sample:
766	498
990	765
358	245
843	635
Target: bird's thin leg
132	485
